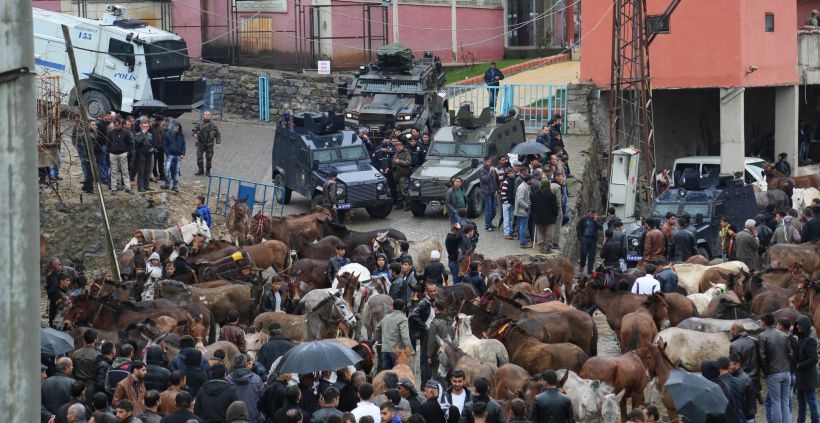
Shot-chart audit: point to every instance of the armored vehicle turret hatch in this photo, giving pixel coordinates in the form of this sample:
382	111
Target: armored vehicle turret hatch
457	151
304	154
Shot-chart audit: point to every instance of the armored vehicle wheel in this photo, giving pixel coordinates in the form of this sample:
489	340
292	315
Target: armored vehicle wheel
475	203
282	197
417	208
379	212
96	103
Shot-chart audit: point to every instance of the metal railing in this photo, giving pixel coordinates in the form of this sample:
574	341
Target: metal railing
535	103
259	197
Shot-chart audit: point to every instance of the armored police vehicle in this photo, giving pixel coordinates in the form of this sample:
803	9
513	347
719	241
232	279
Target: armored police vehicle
124	64
706	200
457	151
397	92
304	154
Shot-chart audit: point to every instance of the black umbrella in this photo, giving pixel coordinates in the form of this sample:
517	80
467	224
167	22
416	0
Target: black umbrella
54	342
696	397
316	356
530	147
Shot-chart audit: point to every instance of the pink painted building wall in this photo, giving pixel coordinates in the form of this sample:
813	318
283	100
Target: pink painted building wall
704	48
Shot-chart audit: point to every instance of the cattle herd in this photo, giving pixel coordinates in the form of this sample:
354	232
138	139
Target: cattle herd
537	313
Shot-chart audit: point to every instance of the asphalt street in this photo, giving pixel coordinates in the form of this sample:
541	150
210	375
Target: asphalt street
246	154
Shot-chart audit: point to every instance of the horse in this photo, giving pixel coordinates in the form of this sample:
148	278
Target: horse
690	276
638	328
456	295
776	180
321	249
560	322
259	226
179	233
229	348
688	348
373	312
311	271
106	313
364	350
559	270
775	197
804	301
308	224
733	279
536	356
588	398
238	222
420	250
353	239
489	351
220	300
625	372
660	367
451	358
401	369
615	305
312	299
702	300
764	298
791	256
320	323
705	324
811	180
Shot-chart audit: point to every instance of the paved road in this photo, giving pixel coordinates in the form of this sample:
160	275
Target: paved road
246	154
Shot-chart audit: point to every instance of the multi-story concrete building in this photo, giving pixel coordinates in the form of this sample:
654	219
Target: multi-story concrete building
727	76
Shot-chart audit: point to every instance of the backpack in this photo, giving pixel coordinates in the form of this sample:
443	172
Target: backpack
114	375
764	235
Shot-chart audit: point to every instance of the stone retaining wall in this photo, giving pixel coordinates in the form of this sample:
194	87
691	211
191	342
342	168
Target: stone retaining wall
288	90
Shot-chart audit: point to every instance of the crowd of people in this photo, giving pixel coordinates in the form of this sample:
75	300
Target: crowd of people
134	151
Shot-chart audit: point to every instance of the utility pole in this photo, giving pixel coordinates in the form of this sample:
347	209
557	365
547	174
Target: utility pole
109	241
19	225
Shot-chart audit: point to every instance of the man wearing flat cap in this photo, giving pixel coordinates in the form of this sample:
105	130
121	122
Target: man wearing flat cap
276	346
431	410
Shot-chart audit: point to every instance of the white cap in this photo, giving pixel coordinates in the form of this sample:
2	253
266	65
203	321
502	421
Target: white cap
435	255
154	256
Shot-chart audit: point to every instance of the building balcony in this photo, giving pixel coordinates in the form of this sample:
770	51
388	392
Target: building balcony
808	56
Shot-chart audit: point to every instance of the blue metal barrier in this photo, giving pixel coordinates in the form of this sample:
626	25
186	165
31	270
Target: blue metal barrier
264	98
536	103
260	197
213	100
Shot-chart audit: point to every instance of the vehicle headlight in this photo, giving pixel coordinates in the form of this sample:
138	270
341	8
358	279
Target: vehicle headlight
403	118
634	242
352	115
417	183
340	191
380	186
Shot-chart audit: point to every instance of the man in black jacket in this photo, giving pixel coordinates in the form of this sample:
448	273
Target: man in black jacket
745	348
430	409
420	319
811	231
551	405
805	357
330	399
158	377
276	346
587	232
183	412
215	396
612	251
683	244
482	385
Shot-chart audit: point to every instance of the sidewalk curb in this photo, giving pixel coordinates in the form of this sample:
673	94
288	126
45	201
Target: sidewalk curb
521	67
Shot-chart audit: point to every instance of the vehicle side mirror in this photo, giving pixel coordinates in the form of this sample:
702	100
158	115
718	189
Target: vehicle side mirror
315	164
476	163
341	88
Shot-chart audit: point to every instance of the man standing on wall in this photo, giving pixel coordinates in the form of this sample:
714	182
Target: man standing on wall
206	134
491	78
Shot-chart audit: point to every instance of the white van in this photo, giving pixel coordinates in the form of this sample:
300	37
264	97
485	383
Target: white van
753	169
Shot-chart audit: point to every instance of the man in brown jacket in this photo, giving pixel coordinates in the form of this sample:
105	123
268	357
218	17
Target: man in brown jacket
132	388
232	332
168	397
654	244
